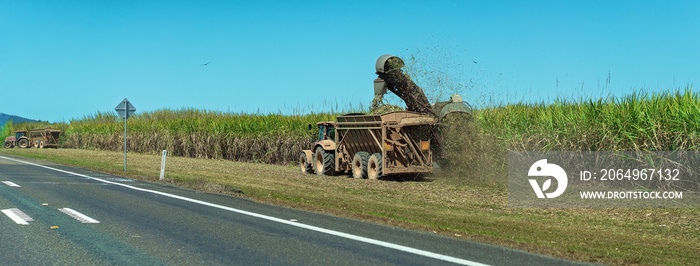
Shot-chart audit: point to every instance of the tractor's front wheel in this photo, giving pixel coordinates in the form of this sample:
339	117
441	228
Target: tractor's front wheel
23	143
324	162
304	165
7	145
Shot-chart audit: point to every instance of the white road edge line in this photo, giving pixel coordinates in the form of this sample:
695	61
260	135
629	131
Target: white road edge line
79	216
17	216
10	184
274	219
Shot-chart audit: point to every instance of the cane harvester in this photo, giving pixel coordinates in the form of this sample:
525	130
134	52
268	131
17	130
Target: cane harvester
37	138
376	145
392	78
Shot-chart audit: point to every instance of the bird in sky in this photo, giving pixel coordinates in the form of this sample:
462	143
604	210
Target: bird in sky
205	64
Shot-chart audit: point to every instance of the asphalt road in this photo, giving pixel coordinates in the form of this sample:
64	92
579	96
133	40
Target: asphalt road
59	215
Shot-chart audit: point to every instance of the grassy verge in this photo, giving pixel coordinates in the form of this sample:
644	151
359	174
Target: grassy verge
439	205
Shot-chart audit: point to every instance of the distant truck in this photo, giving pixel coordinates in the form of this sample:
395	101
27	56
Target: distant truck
372	146
37	138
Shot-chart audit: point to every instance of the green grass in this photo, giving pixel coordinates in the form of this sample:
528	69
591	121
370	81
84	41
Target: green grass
268	138
663	121
666	121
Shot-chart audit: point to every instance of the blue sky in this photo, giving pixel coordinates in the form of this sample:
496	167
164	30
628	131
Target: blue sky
61	60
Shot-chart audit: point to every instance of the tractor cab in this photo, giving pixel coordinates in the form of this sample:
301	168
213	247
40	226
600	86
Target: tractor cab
326	130
19	134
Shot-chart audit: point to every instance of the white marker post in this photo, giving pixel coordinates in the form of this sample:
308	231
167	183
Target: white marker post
162	165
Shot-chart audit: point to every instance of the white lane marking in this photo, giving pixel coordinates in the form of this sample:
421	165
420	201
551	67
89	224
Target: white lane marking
10	183
79	216
22	215
274	219
17	216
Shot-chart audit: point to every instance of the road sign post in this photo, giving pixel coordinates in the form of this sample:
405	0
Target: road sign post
125	109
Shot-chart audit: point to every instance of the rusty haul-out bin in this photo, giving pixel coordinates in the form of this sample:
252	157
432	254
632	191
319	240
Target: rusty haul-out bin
372	146
44	138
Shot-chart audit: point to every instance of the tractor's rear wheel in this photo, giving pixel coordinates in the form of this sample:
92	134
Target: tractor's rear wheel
324	162
8	145
359	165
374	166
304	164
23	143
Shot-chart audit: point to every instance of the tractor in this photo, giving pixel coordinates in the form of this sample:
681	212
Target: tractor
326	140
19	139
37	138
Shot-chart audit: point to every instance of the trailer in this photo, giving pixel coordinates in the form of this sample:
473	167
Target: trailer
45	138
372	146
